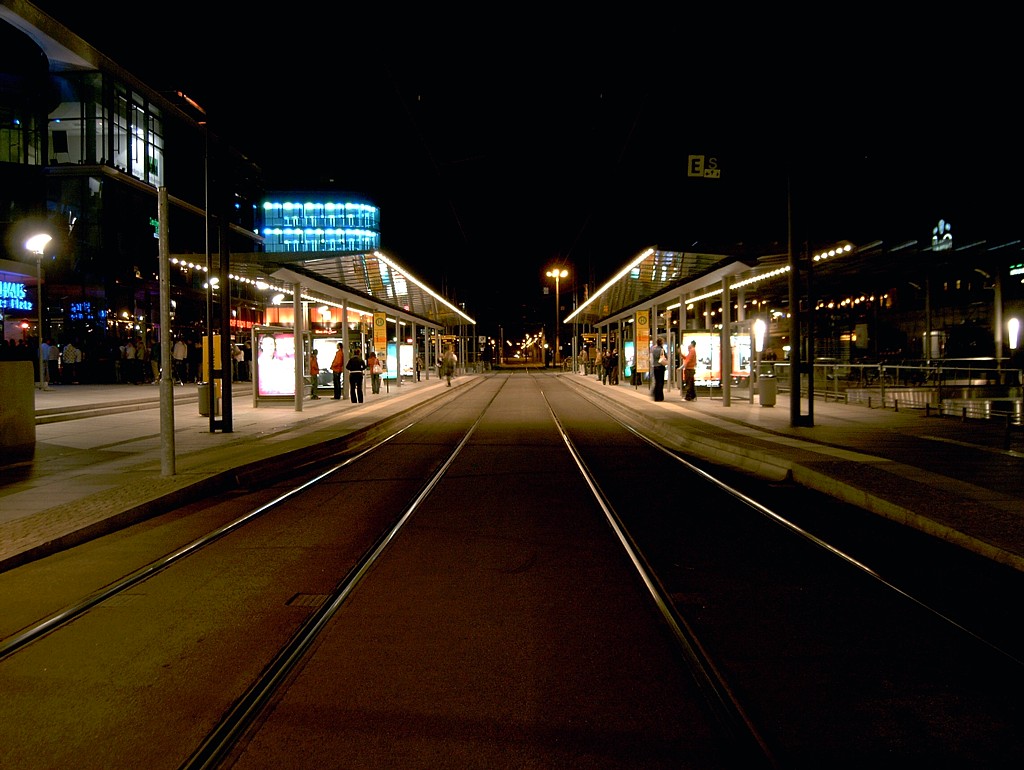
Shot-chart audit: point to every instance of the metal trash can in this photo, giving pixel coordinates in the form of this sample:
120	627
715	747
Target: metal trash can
767	389
204	401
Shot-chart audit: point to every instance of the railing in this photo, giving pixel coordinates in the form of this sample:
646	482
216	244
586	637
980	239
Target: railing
981	385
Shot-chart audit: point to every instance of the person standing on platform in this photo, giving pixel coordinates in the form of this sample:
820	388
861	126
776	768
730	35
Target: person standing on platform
129	360
337	365
72	358
179	358
237	363
53	362
690	372
195	361
376	369
246	361
355	367
141	361
418	363
154	361
660	361
613	367
314	374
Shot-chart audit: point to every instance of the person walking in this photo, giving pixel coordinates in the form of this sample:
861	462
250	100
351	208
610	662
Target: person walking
690	372
660	358
375	368
613	367
355	367
314	374
448	365
337	365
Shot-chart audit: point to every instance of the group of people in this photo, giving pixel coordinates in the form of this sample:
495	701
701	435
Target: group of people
356	366
659	356
133	358
610	367
60	365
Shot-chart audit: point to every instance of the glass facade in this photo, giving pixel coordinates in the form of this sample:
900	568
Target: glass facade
311	224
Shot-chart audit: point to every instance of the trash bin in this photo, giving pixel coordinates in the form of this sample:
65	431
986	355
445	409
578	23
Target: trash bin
767	389
204	401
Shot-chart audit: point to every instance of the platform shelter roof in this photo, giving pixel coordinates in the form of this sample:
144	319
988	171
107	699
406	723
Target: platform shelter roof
366	280
649	276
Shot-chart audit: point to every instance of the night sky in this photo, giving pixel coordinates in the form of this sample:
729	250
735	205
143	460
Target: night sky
499	144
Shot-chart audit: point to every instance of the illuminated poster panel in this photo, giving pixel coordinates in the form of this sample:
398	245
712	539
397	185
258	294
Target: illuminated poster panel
275	361
400	365
629	353
709	356
406	360
326	347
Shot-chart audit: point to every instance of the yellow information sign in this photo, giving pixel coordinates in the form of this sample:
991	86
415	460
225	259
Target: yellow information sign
380	334
643	341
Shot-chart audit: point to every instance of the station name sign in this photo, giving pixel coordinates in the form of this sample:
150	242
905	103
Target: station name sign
13	296
702	166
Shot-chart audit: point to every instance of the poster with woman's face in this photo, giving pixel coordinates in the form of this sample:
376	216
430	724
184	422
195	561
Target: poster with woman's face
275	364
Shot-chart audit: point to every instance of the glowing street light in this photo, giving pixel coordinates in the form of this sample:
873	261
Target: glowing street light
36	244
557	275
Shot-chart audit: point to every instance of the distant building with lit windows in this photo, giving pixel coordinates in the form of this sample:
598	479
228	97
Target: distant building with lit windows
298	222
88	156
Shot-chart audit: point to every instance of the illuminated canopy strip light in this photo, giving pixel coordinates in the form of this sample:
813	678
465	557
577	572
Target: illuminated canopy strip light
396	267
737	285
759	278
834	252
261	284
621	274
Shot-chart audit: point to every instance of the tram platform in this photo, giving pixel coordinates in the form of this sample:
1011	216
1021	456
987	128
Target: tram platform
950	477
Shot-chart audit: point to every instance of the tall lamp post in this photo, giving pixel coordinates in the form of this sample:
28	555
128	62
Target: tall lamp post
557	275
36	244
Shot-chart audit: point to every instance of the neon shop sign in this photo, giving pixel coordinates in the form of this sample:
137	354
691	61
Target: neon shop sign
12	296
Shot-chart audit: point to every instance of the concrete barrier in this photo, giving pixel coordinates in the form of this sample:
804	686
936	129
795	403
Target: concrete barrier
17	411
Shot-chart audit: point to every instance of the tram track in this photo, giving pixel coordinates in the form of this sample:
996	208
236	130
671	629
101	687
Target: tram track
426	466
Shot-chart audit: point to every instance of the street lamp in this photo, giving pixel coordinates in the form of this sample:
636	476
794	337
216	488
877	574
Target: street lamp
35	245
557	275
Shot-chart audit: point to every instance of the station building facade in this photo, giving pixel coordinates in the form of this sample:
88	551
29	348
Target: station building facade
86	149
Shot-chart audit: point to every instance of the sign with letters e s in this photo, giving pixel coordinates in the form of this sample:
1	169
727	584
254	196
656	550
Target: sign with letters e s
703	166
